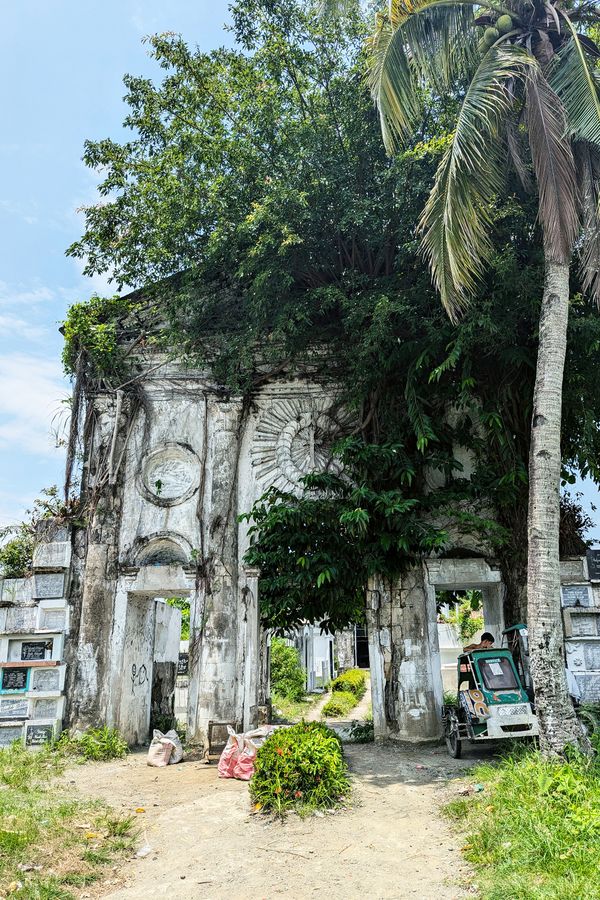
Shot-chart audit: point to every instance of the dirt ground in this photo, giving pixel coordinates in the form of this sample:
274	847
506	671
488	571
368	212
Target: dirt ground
199	840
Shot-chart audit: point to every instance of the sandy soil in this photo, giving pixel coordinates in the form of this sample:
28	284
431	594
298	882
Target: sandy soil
391	841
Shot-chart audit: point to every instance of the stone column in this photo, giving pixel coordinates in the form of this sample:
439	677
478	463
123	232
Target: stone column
89	681
250	652
493	610
404	654
216	672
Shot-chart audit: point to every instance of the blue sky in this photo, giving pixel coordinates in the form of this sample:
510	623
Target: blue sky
61	69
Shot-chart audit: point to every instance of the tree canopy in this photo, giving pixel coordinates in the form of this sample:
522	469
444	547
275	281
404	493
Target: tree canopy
256	213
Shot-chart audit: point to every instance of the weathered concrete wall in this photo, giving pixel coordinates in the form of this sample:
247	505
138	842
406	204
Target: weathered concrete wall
185	461
170	463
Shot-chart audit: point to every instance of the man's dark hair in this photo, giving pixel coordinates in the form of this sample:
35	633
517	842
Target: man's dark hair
488	636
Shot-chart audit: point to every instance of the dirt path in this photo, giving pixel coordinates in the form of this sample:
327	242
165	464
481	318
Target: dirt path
390	843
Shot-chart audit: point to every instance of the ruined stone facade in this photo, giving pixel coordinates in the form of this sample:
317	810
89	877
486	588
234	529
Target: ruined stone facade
170	470
168	467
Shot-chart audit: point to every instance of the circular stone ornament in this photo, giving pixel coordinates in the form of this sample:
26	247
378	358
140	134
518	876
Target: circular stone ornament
170	474
294	437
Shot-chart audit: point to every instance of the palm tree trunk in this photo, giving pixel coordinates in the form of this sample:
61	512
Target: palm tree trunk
558	723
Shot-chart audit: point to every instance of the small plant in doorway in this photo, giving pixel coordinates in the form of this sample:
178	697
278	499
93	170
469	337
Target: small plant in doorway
288	678
94	744
362	732
301	768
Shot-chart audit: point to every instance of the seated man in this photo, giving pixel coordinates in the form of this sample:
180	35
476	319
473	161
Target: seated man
486	642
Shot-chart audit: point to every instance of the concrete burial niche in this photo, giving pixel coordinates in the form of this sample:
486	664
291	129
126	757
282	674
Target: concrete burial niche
33	627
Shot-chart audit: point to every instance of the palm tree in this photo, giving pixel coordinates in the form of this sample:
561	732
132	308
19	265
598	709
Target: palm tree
527	73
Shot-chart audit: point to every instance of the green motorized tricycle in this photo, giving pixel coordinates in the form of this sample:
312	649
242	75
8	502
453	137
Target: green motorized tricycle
491	702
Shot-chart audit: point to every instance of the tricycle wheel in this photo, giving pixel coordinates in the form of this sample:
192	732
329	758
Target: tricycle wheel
453	742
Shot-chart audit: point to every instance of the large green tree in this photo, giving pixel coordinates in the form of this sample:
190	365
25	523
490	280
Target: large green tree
254	208
530	86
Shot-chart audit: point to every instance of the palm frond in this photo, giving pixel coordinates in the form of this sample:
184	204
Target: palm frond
456	219
571	77
553	165
335	9
588	165
515	151
442	43
392	83
417	44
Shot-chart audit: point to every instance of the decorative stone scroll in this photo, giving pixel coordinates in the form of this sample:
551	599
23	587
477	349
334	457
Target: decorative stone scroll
294	437
170	474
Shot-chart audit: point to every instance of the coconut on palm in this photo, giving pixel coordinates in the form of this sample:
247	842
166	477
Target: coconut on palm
504	24
490	36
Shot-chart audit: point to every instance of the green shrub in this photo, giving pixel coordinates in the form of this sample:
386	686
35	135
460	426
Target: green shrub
94	744
288	678
16	556
352	680
300	768
362	732
340	704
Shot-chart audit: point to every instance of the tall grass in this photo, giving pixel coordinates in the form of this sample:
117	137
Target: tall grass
533	833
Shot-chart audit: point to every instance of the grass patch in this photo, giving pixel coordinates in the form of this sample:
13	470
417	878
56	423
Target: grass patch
340	704
94	744
285	710
50	842
533	833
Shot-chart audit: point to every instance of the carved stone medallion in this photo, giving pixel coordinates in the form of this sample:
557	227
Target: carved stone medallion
170	474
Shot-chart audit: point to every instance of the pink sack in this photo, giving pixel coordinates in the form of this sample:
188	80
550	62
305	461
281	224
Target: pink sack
230	754
244	767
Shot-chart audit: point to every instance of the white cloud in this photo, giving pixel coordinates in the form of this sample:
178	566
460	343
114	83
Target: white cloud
31	390
22	296
20	212
12	326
